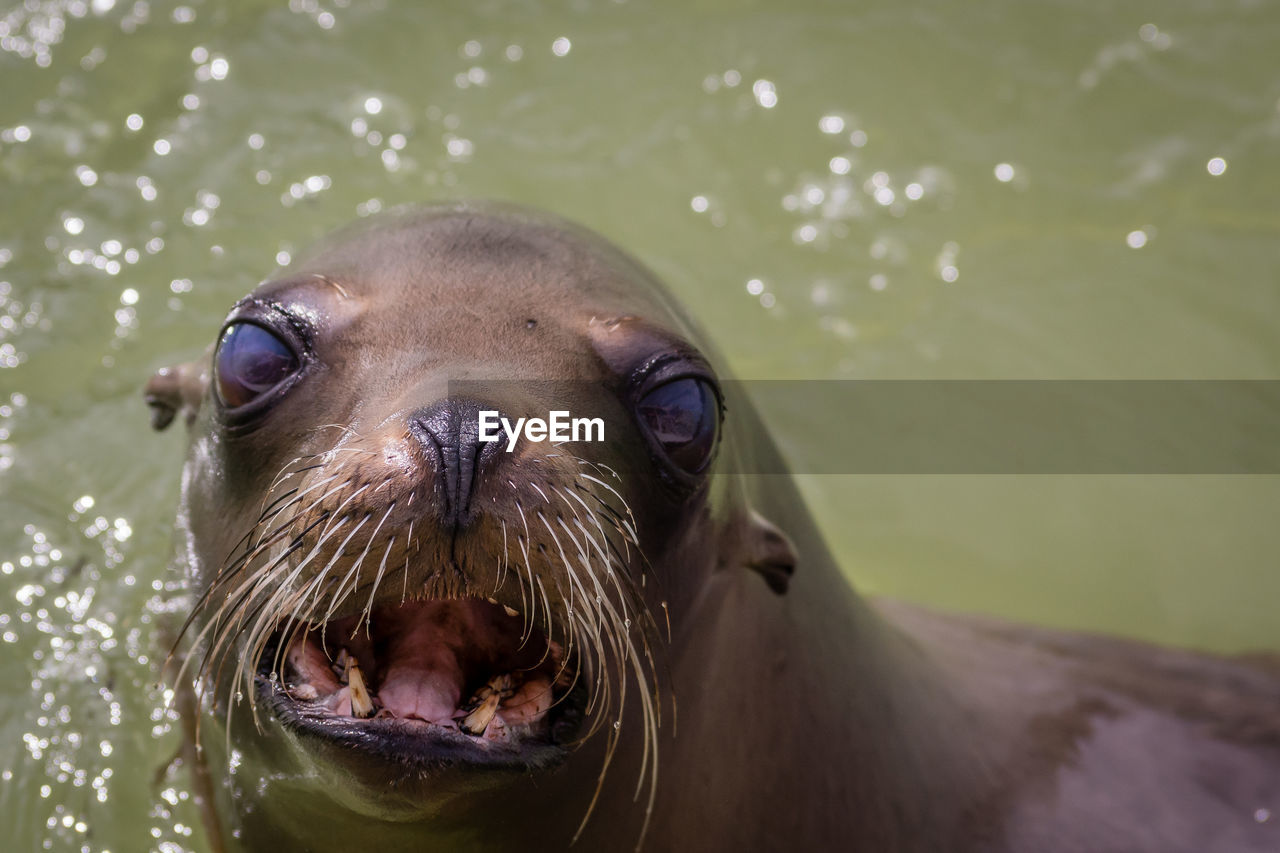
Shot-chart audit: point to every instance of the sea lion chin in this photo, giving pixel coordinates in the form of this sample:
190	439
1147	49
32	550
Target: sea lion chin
405	636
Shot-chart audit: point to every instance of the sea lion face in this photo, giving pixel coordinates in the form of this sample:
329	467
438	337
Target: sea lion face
390	592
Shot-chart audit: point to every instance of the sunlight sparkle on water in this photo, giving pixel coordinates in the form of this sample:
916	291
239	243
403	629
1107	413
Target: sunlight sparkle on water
459	149
766	93
831	124
806	233
1152	35
947	269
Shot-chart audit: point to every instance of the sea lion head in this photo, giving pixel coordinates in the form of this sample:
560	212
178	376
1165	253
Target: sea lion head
390	593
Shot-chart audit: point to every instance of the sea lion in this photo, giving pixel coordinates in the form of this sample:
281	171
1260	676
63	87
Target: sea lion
408	638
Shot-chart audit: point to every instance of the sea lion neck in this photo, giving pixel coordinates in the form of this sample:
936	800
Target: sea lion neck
871	749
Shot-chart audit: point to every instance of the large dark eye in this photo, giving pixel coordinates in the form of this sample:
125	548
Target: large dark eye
250	362
684	417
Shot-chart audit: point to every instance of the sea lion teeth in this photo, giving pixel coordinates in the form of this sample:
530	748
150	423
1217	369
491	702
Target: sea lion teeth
306	692
340	663
502	685
361	701
478	720
484	703
510	611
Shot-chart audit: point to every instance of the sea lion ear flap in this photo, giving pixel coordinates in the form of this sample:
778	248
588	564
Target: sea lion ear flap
770	553
174	390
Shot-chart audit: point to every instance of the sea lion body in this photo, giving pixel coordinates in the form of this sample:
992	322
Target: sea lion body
803	716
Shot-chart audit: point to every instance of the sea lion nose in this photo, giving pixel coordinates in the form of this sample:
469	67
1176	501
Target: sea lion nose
449	431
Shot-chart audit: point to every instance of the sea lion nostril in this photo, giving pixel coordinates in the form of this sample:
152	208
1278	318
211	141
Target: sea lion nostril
450	432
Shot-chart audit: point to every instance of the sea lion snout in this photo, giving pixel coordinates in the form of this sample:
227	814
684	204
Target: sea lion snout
449	432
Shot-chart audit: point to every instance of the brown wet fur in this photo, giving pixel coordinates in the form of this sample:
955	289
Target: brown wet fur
808	718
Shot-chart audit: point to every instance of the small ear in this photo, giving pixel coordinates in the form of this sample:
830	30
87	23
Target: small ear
770	553
175	389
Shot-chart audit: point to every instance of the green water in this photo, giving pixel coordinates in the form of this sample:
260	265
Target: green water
877	190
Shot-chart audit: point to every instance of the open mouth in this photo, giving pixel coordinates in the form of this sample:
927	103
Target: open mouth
430	681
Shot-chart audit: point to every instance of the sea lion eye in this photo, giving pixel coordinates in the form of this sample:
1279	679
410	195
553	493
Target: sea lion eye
251	360
684	417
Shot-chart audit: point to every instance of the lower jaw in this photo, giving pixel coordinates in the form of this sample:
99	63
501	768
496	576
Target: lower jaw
419	747
308	794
